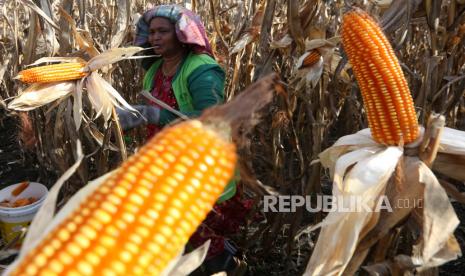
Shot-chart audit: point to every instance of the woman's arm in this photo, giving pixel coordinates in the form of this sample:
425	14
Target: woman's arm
206	86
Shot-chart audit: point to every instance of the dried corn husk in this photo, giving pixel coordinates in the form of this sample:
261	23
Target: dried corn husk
370	169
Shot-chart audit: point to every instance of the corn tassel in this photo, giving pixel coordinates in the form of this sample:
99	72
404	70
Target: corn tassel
136	222
53	73
388	102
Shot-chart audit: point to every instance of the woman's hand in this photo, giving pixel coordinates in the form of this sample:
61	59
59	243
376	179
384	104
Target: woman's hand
147	115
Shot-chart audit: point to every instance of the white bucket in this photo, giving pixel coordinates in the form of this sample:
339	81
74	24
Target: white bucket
12	220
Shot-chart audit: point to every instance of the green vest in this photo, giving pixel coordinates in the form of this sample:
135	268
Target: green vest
184	98
180	81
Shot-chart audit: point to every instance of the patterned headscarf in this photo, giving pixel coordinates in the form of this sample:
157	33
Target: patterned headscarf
189	27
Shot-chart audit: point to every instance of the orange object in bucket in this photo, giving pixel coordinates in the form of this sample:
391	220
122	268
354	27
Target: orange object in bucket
13	219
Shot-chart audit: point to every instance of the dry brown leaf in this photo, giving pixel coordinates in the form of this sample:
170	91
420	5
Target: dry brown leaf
439	223
84	43
450	165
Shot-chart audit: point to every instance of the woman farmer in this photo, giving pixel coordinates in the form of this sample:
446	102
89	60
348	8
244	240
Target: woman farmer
187	78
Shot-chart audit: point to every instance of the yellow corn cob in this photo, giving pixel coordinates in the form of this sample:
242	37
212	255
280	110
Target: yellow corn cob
140	219
54	72
312	58
388	102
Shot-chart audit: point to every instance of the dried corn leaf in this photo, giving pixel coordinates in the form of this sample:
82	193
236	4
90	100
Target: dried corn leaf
284	42
450	160
439	223
361	139
367	179
37	95
56	59
383	3
241	43
451	165
77	104
111	56
311	44
101	101
333	64
48	31
252	32
452	141
185	264
398	265
122	23
294	24
311	74
84	42
118	99
39	11
99	137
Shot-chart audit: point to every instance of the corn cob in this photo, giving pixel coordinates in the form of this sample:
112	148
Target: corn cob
140	219
55	72
312	58
388	102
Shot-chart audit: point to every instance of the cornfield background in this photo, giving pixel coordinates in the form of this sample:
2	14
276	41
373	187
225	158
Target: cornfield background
250	38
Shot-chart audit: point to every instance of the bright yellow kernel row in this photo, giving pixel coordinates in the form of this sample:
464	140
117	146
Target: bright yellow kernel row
53	73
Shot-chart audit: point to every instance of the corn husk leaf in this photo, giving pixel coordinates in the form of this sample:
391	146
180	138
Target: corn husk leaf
438	244
77	104
38	94
118	99
185	264
323	44
370	172
245	39
383	3
56	59
101	101
311	74
330	156
111	56
300	61
452	141
439	224
450	160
